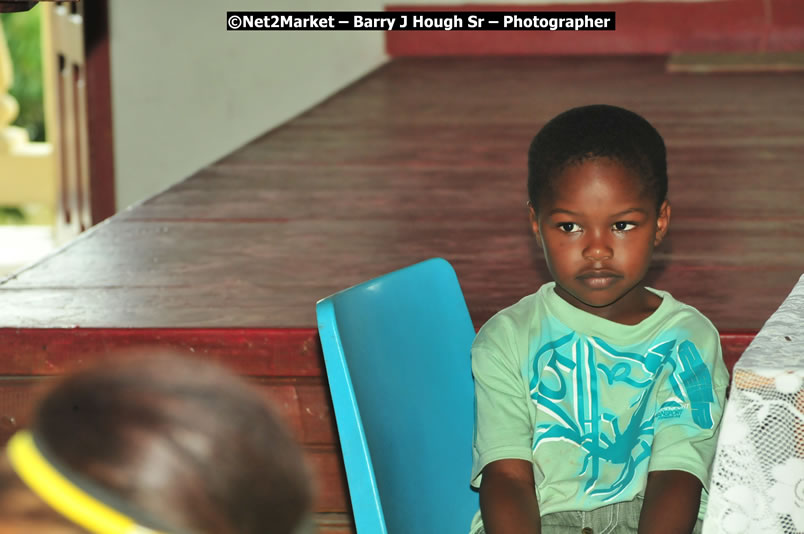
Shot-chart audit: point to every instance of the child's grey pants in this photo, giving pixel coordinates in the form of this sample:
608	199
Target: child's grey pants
619	518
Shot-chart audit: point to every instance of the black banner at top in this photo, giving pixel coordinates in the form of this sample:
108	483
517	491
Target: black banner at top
420	20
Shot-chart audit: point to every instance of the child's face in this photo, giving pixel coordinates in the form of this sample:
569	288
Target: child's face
598	230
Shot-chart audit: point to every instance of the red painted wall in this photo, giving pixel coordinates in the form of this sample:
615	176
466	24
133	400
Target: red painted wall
642	28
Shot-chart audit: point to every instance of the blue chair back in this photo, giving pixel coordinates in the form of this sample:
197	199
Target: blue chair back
397	355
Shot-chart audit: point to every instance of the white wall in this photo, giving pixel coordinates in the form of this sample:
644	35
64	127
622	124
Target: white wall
186	92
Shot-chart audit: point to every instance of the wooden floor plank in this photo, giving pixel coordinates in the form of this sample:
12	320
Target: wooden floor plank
190	274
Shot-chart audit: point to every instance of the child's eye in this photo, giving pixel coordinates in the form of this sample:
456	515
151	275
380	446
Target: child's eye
623	226
569	227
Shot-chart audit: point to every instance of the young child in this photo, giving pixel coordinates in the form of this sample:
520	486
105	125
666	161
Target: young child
598	399
149	445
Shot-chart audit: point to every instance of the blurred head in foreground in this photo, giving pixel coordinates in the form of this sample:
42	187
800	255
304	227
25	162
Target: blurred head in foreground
153	444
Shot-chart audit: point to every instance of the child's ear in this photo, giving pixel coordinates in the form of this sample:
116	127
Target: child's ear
662	223
534	224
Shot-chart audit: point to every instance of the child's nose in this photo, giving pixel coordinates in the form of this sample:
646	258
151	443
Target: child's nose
598	249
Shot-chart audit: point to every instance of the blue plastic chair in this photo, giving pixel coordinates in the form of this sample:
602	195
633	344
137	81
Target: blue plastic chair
397	354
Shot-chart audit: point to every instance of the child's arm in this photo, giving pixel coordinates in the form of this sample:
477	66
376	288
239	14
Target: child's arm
507	498
690	404
502	454
671	503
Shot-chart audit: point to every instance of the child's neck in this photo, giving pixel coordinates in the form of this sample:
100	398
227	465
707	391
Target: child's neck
630	309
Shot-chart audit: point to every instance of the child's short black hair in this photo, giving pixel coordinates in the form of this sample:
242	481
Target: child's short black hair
597	131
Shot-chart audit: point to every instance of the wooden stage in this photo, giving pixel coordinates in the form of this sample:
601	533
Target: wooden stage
422	158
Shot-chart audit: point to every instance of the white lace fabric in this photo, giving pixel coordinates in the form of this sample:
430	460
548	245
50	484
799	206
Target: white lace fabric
757	483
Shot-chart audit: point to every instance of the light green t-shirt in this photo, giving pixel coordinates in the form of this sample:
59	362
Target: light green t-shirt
594	404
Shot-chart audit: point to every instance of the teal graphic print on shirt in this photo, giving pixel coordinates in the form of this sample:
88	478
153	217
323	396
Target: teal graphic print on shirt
601	398
596	405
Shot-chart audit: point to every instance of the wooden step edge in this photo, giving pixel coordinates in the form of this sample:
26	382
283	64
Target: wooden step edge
264	352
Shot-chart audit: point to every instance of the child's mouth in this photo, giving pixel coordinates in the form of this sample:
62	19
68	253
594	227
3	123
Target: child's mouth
599	279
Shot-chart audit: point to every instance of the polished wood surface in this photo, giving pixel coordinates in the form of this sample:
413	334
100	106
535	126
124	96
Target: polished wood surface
427	158
422	158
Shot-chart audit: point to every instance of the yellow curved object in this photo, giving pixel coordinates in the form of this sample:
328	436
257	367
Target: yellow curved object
62	495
